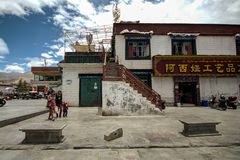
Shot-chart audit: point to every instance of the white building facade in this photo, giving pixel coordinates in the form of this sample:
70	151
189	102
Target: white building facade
191	60
136	44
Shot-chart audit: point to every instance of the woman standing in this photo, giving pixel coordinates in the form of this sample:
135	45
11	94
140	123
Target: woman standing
50	105
59	102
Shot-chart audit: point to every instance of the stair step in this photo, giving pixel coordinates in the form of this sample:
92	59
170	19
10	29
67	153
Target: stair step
111	60
112	64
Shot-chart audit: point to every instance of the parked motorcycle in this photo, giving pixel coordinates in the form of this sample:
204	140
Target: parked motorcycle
222	103
232	102
213	102
2	102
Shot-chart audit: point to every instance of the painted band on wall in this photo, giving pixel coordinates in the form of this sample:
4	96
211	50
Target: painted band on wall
196	65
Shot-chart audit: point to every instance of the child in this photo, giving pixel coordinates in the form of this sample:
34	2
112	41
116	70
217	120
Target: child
65	109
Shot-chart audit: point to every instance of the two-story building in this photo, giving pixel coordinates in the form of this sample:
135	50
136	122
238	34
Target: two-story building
191	60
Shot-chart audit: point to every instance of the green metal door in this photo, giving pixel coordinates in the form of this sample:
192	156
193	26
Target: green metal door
90	91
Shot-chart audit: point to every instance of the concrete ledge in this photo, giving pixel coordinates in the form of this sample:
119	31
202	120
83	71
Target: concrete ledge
196	127
21	118
43	133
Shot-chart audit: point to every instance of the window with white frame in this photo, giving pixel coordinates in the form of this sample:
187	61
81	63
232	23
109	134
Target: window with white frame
183	43
137	48
183	47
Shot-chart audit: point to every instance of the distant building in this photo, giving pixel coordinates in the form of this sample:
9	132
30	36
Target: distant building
45	78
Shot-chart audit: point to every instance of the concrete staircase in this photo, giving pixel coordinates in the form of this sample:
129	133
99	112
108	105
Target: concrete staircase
126	94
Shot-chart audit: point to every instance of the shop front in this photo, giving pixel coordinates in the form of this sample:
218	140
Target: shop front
192	75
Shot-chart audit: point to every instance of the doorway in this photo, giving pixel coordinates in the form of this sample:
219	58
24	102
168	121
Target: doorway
90	91
187	91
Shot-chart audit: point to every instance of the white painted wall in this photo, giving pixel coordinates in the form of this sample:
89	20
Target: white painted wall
206	45
164	86
219	85
161	45
216	45
70	91
71	72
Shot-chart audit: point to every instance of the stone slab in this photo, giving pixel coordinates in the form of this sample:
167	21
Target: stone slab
198	121
199	127
43	126
40	133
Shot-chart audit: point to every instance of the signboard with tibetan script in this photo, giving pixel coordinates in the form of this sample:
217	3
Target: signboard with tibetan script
196	65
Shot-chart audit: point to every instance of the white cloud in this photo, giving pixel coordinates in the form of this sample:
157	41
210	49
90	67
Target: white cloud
1	59
173	11
84	14
61	52
234	7
46	55
24	7
30	62
14	68
3	48
36	61
54	46
193	11
76	14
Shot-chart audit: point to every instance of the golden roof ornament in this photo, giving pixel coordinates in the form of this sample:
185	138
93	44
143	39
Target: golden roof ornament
89	38
116	13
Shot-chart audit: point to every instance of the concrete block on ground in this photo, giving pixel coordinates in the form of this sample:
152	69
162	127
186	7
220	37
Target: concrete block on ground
39	133
197	127
114	135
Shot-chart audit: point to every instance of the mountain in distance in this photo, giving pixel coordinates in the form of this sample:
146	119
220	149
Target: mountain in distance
6	77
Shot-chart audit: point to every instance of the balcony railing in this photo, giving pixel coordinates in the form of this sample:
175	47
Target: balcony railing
84	57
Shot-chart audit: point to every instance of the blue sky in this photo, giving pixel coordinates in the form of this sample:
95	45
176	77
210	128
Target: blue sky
32	30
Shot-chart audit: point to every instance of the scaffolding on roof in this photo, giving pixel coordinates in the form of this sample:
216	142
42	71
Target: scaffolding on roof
75	40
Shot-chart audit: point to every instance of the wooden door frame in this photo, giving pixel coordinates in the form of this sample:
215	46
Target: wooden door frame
179	79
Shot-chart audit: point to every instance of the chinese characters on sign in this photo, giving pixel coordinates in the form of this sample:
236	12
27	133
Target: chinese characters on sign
196	65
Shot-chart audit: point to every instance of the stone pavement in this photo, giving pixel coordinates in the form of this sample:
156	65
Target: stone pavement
144	137
17	110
